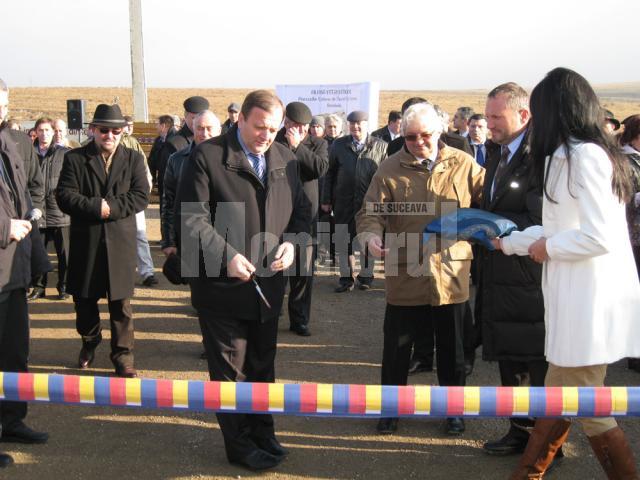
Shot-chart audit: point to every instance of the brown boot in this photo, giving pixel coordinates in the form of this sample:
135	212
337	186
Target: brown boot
547	437
615	455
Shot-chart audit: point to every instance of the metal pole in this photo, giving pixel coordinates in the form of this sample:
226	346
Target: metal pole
138	81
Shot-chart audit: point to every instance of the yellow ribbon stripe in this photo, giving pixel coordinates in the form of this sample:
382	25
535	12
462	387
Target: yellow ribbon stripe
521	400
181	393
373	396
276	397
227	396
41	386
324	398
87	390
570	400
619	400
133	391
423	399
472	400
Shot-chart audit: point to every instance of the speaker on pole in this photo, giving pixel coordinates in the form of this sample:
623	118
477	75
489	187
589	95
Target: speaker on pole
75	114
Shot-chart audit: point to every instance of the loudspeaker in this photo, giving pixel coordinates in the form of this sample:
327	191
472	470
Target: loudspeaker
75	114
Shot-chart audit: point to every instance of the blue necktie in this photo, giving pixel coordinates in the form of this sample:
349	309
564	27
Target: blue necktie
479	155
258	165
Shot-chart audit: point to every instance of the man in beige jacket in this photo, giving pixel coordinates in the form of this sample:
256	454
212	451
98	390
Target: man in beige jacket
424	180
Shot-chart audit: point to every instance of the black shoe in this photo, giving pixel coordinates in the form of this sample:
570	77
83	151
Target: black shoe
5	460
36	293
300	329
20	433
364	284
87	354
387	426
203	355
272	446
417	366
62	295
510	444
344	287
256	460
150	281
126	372
455	426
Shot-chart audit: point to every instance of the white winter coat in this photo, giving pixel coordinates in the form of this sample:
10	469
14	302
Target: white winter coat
590	284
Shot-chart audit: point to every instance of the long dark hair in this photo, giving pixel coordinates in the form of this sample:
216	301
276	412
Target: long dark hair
564	107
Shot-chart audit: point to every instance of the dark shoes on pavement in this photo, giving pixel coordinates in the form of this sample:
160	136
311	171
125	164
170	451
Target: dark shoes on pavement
85	359
513	442
126	372
455	426
150	281
417	366
272	446
20	433
364	283
387	426
344	287
256	460
36	293
300	329
5	460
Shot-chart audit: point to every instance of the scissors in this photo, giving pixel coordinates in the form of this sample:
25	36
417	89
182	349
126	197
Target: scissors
259	290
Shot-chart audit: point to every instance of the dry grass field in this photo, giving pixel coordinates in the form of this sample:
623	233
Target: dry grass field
31	103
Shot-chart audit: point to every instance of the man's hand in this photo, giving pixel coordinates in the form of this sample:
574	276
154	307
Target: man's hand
19	229
538	250
326	207
105	211
170	251
293	137
284	257
240	267
497	243
376	247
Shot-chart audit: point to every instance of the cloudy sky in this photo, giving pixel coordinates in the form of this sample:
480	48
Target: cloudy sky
252	43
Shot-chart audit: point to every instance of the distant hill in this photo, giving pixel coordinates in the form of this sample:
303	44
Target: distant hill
629	91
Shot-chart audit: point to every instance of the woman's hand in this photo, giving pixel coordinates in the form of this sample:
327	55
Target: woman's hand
538	250
497	243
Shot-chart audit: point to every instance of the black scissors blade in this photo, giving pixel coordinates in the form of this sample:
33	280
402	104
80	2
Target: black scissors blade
259	290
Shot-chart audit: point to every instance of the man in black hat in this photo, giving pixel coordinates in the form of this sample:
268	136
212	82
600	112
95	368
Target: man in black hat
102	186
353	160
233	110
182	138
21	255
313	160
610	122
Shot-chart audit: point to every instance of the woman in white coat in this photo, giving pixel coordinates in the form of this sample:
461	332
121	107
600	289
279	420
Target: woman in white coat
590	286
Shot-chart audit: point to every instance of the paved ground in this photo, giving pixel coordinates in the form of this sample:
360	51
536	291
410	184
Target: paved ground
101	443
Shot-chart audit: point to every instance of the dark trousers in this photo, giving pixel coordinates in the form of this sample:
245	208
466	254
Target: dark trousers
424	344
400	327
60	238
346	259
516	374
14	347
121	321
301	285
240	350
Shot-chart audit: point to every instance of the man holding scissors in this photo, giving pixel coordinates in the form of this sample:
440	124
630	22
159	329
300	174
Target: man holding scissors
238	205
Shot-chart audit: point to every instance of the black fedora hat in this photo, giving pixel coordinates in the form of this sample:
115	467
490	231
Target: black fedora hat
108	116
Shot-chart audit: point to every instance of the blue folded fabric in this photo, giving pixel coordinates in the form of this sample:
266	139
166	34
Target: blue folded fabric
471	224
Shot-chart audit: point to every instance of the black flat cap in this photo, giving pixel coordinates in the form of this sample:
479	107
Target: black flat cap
358	116
298	112
196	104
233	107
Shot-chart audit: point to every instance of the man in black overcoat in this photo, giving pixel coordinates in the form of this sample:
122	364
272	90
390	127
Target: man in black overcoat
509	303
312	155
21	254
102	186
239	201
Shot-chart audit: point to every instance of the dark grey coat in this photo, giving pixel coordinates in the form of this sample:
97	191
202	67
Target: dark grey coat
102	253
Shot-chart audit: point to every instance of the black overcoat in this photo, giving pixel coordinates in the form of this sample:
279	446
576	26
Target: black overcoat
222	208
509	303
102	253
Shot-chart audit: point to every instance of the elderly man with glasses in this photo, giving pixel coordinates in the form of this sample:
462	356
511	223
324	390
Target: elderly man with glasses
424	282
102	186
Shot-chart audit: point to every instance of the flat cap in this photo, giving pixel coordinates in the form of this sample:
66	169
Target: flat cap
317	120
298	112
196	104
233	107
358	116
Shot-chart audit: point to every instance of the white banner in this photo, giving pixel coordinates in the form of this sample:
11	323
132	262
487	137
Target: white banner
340	99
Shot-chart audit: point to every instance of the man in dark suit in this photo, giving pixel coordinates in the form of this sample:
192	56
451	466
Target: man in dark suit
509	302
21	254
238	203
392	130
461	121
102	186
478	137
165	129
233	110
313	160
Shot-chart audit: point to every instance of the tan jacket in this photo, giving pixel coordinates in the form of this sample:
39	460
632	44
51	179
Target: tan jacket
455	181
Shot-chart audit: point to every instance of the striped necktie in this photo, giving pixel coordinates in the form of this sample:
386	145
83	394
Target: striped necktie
259	165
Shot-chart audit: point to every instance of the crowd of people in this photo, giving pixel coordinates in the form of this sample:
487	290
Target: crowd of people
250	205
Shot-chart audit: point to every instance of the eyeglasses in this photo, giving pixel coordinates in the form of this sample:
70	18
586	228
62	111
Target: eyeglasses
106	130
413	137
